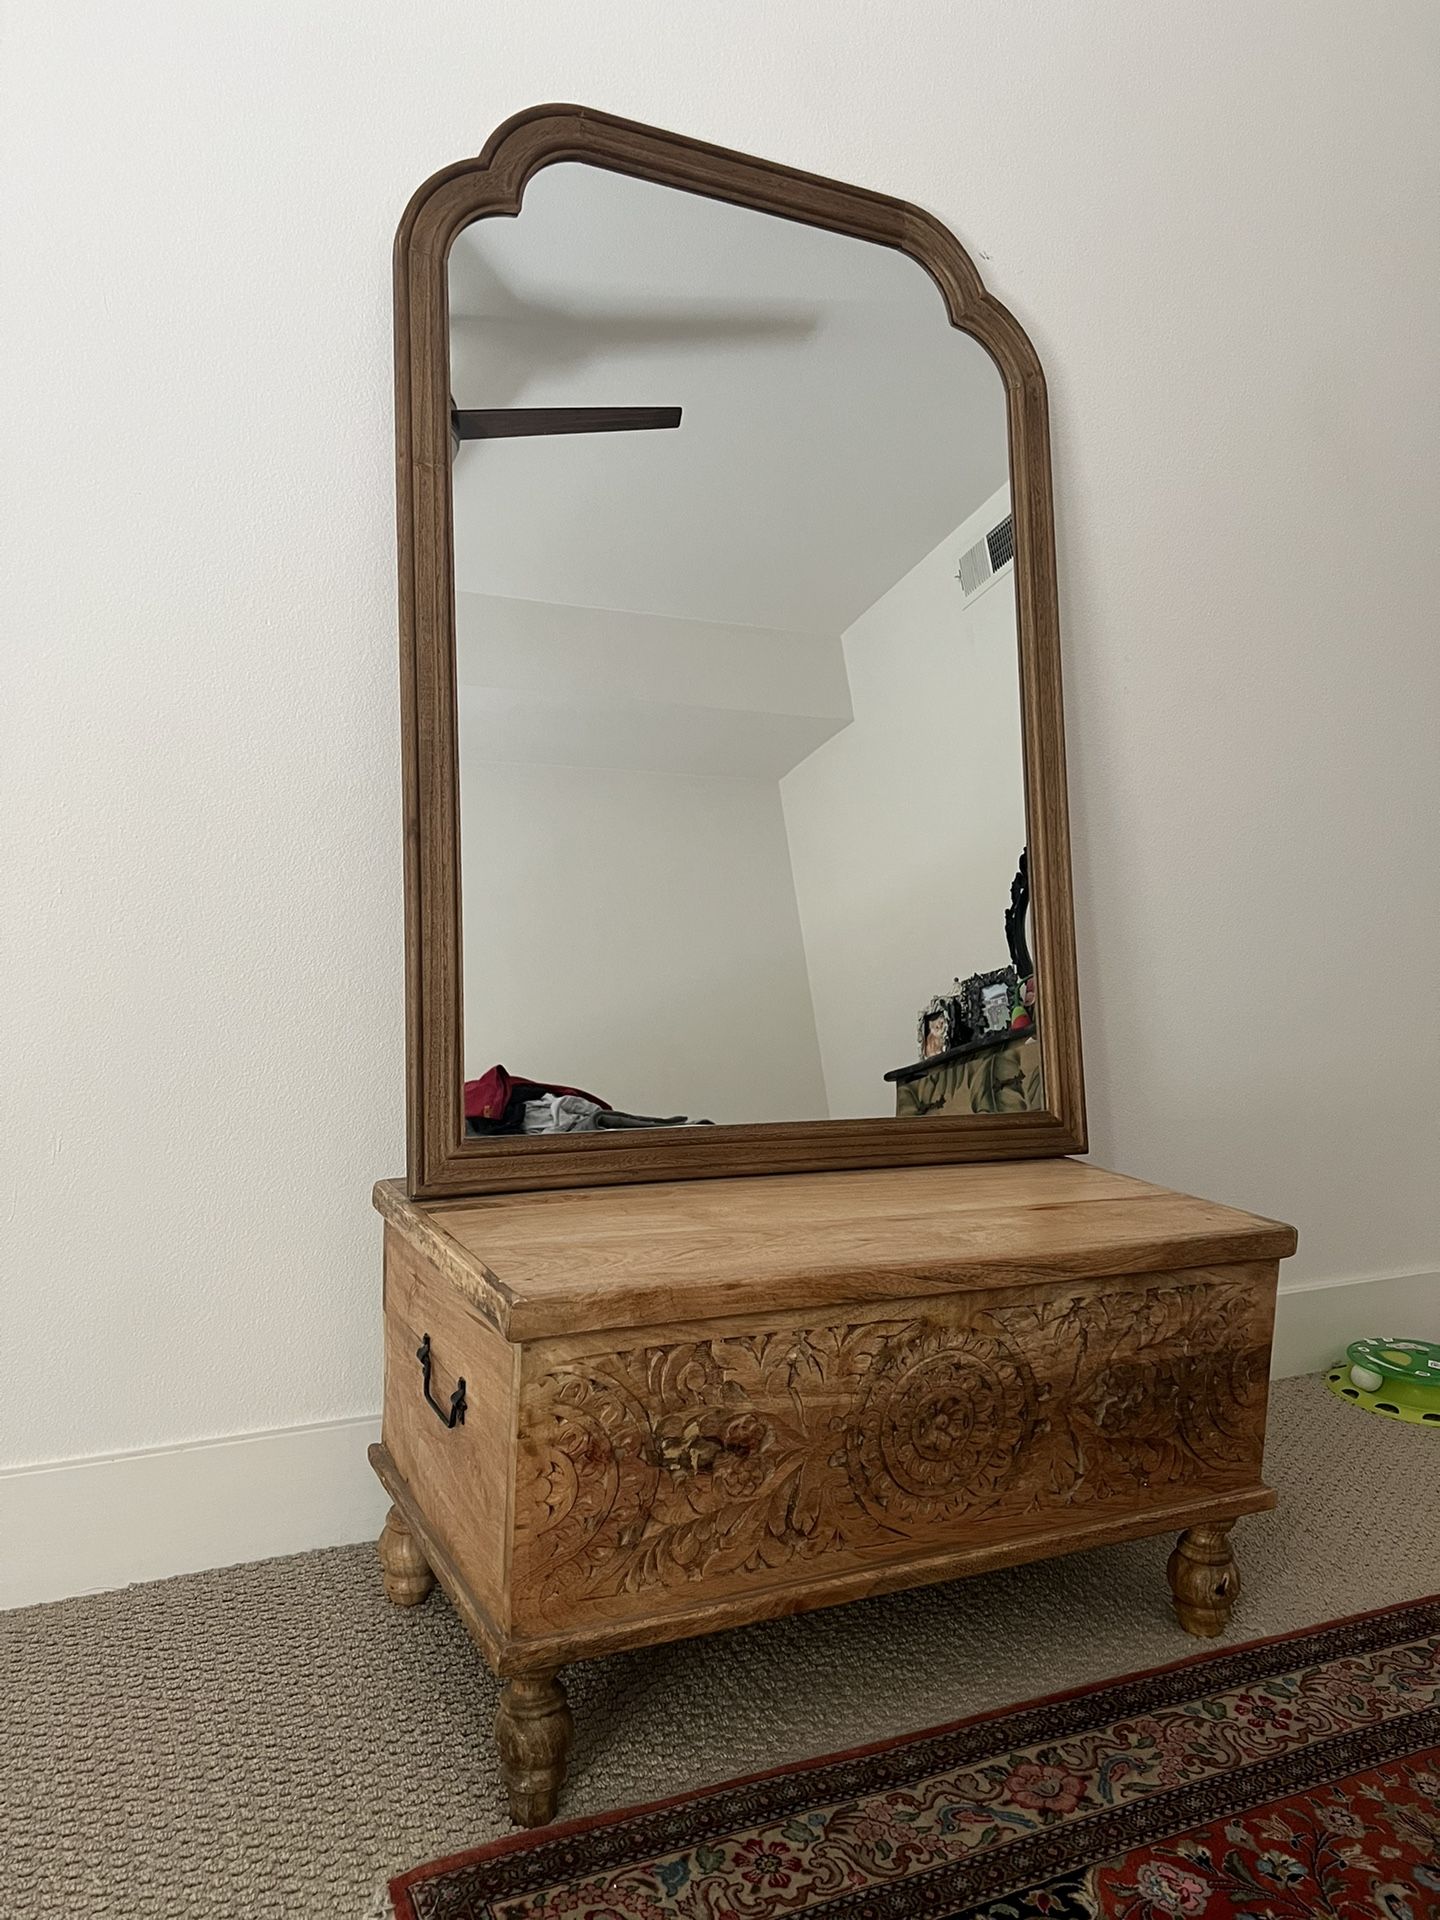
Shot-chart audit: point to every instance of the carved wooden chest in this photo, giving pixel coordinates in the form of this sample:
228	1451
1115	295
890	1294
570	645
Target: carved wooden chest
616	1416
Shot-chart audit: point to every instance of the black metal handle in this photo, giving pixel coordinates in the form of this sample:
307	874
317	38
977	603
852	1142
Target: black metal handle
456	1416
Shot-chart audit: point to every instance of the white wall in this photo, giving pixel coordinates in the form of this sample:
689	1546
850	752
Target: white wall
635	934
1216	222
628	910
905	827
593	687
818	367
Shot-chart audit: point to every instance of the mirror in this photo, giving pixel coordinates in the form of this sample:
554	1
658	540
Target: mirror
734	764
742	795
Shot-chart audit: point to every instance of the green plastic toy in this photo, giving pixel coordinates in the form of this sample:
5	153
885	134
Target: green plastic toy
1398	1379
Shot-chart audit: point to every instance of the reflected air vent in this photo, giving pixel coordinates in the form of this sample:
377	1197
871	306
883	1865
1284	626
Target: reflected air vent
980	564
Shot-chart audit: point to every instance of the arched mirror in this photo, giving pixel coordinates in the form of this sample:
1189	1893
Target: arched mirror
734	760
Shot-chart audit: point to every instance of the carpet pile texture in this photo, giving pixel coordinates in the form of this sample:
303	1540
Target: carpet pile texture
274	1742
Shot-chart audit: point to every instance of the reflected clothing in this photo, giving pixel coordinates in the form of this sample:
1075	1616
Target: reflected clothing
501	1102
574	1113
495	1103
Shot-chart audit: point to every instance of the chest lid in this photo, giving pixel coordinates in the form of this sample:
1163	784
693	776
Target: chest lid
588	1258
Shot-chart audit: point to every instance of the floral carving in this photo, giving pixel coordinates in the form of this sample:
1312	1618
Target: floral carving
658	1465
939	1419
1174	1390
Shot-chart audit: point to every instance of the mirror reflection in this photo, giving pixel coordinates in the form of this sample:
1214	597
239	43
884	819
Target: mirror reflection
742	800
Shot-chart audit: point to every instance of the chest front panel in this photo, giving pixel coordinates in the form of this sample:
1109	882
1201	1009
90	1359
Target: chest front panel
658	1472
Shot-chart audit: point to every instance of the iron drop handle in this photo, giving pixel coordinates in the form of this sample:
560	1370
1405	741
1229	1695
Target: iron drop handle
456	1415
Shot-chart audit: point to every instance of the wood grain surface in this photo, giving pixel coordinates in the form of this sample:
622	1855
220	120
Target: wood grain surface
582	1259
467	1471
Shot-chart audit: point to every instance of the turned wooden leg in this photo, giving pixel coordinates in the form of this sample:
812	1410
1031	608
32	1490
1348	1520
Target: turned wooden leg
533	1730
403	1566
1204	1579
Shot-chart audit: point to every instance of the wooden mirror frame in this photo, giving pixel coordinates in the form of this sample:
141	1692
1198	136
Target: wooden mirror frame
441	1160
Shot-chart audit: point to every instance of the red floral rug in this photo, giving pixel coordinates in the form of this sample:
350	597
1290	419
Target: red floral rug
1294	1778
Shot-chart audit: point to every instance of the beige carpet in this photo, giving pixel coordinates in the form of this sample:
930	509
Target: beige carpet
274	1739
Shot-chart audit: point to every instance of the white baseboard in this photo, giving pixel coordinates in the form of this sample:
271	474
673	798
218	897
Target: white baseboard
83	1526
1317	1320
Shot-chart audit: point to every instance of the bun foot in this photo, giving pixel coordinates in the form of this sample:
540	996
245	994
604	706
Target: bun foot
533	1730
1204	1579
403	1566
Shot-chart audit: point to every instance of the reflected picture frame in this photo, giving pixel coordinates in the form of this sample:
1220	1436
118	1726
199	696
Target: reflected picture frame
972	999
940	1020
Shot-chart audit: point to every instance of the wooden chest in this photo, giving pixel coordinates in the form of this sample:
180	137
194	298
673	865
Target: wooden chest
694	1405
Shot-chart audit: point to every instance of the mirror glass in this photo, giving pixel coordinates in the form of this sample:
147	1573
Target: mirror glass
742	800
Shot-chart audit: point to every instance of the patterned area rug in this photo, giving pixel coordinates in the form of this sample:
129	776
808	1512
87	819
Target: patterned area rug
1295	1778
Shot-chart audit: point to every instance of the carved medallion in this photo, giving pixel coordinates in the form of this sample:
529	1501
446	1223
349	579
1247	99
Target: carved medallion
942	1418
